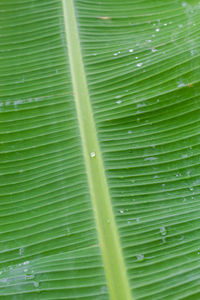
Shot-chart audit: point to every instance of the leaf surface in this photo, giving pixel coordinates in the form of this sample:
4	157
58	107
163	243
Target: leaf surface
99	153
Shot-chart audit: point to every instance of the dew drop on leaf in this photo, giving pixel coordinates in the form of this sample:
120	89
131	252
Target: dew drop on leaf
92	154
163	230
140	257
118	101
36	284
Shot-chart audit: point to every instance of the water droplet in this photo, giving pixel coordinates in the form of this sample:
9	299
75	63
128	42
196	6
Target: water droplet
36	284
26	262
21	251
140	105
129	131
30	277
154	50
157	29
184	156
180	25
181	85
121	211
92	154
184	4
136	57
140	257
165	24
25	270
150	158
137	220
163	230
130	50
139	65
188	173
118	101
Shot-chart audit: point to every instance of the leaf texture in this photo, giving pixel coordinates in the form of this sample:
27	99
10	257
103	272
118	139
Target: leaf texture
141	62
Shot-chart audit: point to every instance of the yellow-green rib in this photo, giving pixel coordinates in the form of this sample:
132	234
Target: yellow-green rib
108	236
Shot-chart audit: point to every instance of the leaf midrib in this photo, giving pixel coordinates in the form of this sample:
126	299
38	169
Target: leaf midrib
114	265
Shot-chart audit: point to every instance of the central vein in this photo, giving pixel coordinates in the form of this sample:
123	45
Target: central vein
107	231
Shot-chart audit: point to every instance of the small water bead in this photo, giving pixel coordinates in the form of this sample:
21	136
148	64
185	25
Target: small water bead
184	156
150	158
140	257
36	284
181	85
163	230
30	277
92	154
180	25
140	105
21	251
130	50
139	65
129	131
137	220
157	29
184	4
121	211
165	24
188	173
119	101
136	57
154	50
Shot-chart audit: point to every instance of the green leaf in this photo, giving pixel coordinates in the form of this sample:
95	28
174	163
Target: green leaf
99	149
